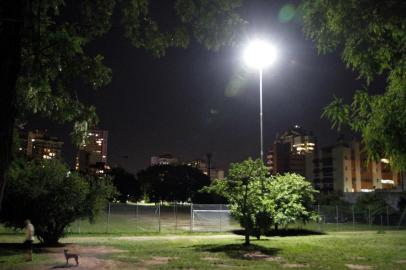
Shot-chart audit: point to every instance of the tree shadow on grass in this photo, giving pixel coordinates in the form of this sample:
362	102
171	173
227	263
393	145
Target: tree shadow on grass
285	232
64	266
10	249
240	251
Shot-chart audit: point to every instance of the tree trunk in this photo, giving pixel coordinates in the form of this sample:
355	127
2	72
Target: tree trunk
11	26
247	237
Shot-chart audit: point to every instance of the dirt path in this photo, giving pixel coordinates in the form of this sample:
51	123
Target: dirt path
90	258
152	238
94	257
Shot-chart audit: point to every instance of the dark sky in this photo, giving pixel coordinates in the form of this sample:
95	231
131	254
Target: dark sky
194	101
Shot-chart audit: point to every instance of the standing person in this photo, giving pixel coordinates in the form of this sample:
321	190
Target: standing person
29	238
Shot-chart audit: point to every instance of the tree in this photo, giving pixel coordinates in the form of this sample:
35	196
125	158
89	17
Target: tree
44	59
173	183
245	188
128	187
291	198
371	37
52	197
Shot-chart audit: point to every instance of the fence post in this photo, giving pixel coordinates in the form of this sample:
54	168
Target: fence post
221	208
176	216
136	217
159	218
191	217
353	217
337	217
369	216
79	226
320	218
108	218
387	216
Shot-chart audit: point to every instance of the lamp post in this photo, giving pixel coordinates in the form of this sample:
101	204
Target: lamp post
259	54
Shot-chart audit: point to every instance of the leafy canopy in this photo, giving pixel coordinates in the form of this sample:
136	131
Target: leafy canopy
371	37
258	200
291	199
128	187
56	63
45	192
245	188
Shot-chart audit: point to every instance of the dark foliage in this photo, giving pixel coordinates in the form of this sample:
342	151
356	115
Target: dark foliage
45	192
179	183
128	187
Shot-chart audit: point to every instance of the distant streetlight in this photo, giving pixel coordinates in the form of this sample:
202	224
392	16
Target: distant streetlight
259	54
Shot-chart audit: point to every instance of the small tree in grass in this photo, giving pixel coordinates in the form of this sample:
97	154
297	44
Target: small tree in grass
45	192
290	199
244	189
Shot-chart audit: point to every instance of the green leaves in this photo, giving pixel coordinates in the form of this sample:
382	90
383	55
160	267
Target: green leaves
244	188
258	200
372	38
337	112
290	199
45	192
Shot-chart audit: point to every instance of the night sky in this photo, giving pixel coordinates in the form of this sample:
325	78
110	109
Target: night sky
195	101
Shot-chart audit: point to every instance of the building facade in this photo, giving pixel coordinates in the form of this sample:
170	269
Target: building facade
92	155
207	169
343	167
39	144
293	151
164	159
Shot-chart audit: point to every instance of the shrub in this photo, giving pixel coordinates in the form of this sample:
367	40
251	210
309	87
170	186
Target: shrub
52	197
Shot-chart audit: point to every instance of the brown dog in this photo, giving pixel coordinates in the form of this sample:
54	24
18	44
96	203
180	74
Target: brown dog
71	255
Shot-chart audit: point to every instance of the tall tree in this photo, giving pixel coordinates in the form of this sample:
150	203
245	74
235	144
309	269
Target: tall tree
246	188
43	52
371	36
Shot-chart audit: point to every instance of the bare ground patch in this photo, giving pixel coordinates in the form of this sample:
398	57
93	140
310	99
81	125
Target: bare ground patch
88	259
401	261
258	255
210	259
157	261
294	265
359	266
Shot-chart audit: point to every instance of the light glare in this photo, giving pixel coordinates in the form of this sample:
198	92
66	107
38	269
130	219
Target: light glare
259	54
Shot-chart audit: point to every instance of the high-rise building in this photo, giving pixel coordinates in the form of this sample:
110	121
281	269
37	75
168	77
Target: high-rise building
92	155
293	152
299	140
200	164
164	159
212	172
343	167
40	145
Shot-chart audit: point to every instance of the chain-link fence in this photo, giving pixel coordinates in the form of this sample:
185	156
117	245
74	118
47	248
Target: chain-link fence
212	217
172	218
353	218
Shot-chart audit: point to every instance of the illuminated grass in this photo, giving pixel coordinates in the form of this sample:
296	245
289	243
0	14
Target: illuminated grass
335	250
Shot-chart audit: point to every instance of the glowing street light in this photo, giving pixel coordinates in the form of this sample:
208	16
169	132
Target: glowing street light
259	54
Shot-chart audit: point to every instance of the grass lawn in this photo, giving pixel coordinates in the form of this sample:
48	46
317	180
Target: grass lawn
335	250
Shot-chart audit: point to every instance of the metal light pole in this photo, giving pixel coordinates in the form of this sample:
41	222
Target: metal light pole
261	114
259	54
